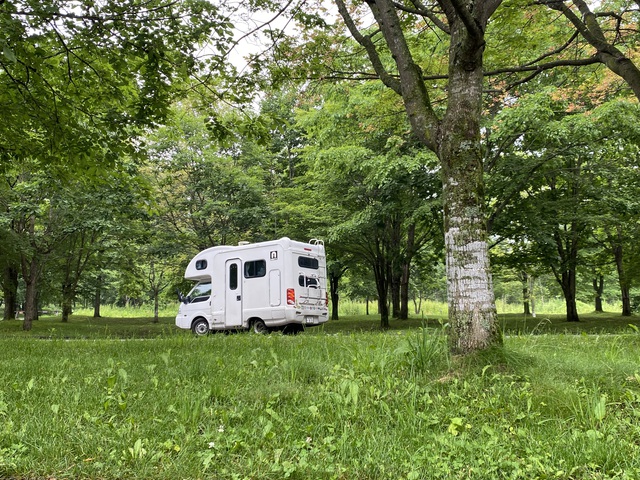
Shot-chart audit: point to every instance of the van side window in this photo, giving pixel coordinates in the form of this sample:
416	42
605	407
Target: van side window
201	264
233	276
255	269
308	262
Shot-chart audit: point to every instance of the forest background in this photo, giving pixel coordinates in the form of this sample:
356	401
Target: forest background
129	141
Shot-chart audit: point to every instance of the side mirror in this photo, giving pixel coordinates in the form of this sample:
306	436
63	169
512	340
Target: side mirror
180	296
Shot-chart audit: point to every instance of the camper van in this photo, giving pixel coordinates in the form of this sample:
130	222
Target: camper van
274	285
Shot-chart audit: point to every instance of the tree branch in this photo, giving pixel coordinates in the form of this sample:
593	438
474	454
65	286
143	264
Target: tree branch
370	48
423	11
468	19
424	121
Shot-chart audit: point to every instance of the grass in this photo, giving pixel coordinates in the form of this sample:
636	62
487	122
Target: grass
126	326
125	398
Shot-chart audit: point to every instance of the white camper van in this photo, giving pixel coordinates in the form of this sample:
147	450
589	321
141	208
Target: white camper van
274	285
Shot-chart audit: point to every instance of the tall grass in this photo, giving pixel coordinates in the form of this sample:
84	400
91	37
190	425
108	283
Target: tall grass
340	406
439	309
129	312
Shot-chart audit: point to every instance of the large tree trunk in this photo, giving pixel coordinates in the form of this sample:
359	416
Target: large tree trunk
10	292
472	311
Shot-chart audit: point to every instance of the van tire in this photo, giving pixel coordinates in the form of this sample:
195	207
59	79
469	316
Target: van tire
200	327
259	327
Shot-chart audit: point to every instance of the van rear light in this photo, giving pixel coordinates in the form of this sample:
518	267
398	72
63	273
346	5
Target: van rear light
291	296
326	299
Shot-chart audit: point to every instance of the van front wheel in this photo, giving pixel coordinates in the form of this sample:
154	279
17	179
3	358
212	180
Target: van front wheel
200	327
259	327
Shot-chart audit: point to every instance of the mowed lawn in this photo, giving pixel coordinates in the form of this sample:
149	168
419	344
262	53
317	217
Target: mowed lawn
95	399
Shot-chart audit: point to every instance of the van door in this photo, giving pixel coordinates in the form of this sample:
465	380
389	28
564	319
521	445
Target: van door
233	293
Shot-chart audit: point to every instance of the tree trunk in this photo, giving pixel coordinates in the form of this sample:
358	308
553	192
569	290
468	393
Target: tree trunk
404	293
31	276
335	298
598	288
568	285
156	306
472	311
406	272
381	273
10	292
524	279
567	239
68	295
623	280
626	301
532	296
335	273
395	294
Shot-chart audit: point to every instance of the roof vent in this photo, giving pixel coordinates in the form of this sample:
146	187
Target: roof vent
243	243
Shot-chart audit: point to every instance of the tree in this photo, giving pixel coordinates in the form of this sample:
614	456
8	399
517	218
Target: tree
95	216
78	76
206	195
554	175
387	206
78	82
453	134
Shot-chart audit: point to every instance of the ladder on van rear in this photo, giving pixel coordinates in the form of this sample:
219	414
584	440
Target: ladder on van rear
315	297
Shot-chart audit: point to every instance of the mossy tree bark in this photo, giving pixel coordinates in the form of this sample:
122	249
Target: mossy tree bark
472	311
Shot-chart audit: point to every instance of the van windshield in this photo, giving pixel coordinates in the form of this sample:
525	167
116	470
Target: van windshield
200	293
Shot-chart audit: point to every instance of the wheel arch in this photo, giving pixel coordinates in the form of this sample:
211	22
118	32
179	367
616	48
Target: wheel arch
252	320
197	320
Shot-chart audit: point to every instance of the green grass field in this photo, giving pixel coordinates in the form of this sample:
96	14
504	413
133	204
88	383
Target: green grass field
122	398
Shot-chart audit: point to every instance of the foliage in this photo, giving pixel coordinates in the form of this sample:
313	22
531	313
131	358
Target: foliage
79	78
206	197
553	170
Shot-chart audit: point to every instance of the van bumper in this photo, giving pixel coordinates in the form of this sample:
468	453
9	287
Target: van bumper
302	316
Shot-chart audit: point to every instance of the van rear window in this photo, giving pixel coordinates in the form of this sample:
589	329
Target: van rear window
308	262
307	281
